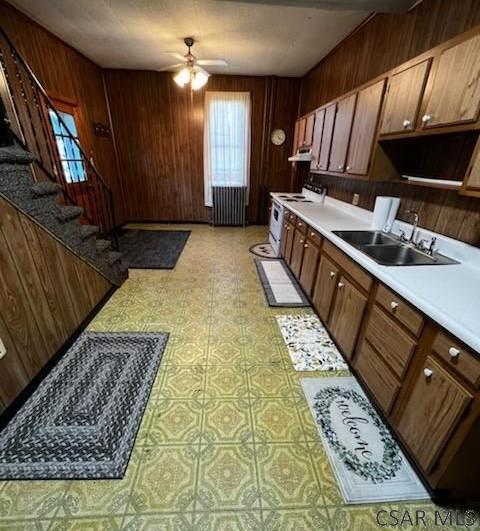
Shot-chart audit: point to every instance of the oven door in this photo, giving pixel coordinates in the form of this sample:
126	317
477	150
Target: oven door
276	220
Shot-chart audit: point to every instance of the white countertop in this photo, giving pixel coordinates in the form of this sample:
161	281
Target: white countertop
448	294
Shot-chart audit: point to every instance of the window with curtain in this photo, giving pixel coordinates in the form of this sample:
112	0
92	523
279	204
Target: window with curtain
226	140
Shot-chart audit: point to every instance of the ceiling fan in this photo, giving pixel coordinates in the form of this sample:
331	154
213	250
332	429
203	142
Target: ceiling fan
192	70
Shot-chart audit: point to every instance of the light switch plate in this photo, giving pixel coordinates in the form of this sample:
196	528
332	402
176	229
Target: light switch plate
3	350
356	199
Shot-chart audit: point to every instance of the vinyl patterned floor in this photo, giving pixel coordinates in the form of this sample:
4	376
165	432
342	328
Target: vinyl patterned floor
227	441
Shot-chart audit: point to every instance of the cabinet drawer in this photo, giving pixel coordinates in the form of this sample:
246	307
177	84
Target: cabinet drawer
377	376
458	358
390	341
314	237
301	226
360	276
401	310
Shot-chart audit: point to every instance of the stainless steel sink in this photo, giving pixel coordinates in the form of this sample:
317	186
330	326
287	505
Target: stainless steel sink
365	237
391	251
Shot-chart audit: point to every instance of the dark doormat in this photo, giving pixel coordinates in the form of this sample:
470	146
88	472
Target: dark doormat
152	249
82	420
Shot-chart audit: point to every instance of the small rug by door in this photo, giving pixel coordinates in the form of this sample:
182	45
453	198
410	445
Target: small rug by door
367	461
82	420
152	249
264	250
309	345
279	285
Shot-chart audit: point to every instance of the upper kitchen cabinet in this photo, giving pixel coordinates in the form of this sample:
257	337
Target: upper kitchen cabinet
309	128
317	139
402	102
471	184
328	124
341	133
452	96
367	112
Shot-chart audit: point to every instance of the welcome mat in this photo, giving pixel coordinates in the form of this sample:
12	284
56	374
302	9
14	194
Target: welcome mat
279	285
309	345
367	461
265	250
152	249
82	420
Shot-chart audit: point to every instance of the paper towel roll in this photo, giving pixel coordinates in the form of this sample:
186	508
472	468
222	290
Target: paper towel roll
392	214
381	212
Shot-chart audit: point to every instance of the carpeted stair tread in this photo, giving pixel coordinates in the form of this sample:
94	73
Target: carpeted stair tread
102	246
16	155
44	188
87	231
114	257
68	213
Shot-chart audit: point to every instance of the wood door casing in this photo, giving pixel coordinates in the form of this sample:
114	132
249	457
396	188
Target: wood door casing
341	133
297	253
317	138
346	315
455	88
324	288
404	94
367	111
311	256
328	125
431	413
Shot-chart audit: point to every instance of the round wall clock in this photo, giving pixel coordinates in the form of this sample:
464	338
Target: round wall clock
278	137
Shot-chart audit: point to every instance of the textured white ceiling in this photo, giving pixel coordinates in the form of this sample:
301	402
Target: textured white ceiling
254	39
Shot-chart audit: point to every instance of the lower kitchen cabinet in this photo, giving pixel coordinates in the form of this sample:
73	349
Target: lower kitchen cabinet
324	288
289	233
347	315
431	413
297	253
311	256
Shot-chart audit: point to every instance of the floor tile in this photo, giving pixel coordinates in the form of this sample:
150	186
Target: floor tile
102	523
227	421
296	520
268	381
183	382
229	521
226	381
159	522
276	420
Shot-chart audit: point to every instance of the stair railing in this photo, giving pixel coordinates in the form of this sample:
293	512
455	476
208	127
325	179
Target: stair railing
30	112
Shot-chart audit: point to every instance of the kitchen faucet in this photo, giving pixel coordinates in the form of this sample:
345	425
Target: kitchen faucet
411	239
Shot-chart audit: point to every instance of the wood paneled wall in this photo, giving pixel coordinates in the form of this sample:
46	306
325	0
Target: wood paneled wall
67	74
382	43
159	134
46	292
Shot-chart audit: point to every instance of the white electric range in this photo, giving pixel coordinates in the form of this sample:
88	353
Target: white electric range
312	194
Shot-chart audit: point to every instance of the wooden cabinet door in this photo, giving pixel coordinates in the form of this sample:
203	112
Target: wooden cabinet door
309	126
367	112
472	181
290	232
341	133
297	253
328	123
283	240
404	94
346	316
317	138
455	92
296	138
324	289
302	122
433	410
311	256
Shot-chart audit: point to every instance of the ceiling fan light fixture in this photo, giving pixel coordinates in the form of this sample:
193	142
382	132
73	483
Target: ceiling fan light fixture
183	77
199	79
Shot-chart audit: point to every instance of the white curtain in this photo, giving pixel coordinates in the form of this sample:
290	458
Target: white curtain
226	141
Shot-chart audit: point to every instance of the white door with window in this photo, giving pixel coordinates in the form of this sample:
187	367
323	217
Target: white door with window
227	138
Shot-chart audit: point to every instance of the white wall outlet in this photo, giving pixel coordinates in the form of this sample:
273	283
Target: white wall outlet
3	350
356	199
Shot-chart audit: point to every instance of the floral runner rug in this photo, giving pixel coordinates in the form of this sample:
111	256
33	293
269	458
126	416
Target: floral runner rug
367	461
309	345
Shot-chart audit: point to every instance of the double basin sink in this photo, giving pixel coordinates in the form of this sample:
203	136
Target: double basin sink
387	249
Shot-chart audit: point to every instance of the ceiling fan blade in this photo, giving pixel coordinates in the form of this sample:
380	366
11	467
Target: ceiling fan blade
170	67
200	69
212	62
177	55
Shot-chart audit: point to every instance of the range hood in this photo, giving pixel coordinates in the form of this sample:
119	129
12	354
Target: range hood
302	155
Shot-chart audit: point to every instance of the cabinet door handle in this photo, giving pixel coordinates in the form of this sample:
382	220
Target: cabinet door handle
299	224
394	306
454	352
332	274
349	168
301	241
306	245
340	167
428	373
340	285
426	118
406	123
